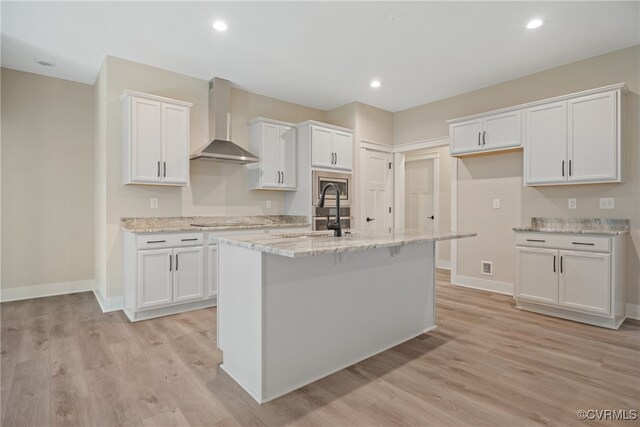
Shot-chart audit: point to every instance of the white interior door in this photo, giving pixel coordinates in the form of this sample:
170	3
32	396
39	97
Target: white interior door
377	187
419	195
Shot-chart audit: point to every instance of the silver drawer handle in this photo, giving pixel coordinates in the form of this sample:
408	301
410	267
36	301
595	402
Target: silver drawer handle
156	241
585	244
536	240
189	240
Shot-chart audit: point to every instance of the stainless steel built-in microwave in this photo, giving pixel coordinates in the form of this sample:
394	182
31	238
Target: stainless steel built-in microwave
343	181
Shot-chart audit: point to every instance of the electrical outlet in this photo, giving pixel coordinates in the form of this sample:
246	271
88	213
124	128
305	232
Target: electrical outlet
268	204
607	203
496	203
154	203
573	204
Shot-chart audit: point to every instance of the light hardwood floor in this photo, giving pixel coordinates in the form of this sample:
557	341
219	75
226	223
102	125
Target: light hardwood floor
66	363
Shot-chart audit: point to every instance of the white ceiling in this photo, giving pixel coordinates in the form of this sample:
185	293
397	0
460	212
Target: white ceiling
319	54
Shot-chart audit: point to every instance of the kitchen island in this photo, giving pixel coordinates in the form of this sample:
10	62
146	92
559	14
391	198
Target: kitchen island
293	308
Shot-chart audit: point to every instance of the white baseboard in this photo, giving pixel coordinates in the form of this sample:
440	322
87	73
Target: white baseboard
108	304
483	284
632	311
445	265
46	290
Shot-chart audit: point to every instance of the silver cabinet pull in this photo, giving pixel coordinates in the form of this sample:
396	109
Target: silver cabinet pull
563	168
583	243
561	268
336	162
479	144
554	263
282	178
483	138
176	262
536	240
170	263
570	172
190	240
165	169
156	241
158	168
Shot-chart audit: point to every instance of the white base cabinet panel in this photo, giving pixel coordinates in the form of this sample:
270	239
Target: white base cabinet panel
585	284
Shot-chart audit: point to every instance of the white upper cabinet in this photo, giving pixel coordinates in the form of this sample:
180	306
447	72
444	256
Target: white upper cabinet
593	149
331	147
484	134
274	143
155	139
546	143
574	141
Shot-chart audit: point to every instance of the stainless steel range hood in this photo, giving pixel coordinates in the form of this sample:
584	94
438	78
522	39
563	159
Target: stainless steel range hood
221	148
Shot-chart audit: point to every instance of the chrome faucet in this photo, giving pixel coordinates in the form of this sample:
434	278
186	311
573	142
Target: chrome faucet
335	226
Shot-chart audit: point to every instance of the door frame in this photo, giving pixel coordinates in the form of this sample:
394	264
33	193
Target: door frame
382	148
436	186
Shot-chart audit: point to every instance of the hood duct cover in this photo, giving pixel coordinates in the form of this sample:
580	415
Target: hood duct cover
221	148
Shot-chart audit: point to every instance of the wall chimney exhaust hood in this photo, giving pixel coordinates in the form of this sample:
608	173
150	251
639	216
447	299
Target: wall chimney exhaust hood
221	148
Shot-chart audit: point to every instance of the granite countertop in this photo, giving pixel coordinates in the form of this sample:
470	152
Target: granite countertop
607	227
210	223
295	245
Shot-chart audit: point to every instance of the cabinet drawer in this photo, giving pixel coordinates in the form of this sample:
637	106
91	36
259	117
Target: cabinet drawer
576	242
165	240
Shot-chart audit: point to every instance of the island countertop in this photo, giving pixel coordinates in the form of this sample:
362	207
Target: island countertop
295	245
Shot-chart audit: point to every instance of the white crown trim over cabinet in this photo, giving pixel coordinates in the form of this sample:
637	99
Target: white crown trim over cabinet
155	135
572	276
274	142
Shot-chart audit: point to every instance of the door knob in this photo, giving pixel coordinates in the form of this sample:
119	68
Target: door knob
370	219
431	217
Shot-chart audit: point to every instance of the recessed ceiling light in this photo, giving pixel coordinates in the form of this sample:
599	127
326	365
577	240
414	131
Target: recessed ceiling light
534	23
45	63
376	83
220	26
397	16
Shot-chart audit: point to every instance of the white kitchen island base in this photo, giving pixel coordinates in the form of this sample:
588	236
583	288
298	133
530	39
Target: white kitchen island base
285	322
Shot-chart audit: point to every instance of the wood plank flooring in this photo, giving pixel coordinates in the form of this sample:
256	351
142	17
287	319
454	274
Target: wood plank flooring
66	363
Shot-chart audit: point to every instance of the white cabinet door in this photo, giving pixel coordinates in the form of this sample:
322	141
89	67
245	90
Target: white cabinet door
466	136
321	147
270	155
545	145
288	157
175	144
585	281
501	131
146	146
212	270
342	150
537	277
188	274
154	278
593	139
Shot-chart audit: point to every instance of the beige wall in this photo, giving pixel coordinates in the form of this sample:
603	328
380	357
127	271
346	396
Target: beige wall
501	175
100	180
216	188
47	180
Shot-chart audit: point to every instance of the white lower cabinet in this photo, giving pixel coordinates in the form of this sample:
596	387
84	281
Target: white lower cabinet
188	274
585	281
165	274
154	278
585	284
212	271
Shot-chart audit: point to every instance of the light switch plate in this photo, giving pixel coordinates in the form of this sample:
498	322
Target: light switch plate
607	203
154	203
573	204
268	204
496	203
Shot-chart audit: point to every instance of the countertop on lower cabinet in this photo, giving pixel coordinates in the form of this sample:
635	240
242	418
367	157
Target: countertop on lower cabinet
210	223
